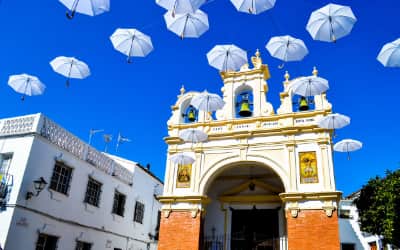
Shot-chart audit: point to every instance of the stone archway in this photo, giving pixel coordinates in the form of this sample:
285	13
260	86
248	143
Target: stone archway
243	194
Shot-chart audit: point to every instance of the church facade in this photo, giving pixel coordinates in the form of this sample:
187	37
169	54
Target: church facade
264	179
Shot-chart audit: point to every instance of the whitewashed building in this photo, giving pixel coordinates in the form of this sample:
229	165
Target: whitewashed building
351	236
57	192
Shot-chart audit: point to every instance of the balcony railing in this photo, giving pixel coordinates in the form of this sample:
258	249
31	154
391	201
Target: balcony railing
6	183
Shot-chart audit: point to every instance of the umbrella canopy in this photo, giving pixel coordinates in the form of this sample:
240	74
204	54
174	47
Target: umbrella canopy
193	135
26	85
310	86
131	42
389	55
181	6
334	121
331	22
347	146
227	57
287	48
87	7
253	6
187	25
207	102
182	158
70	67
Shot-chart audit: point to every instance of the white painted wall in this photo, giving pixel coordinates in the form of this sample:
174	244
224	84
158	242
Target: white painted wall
67	216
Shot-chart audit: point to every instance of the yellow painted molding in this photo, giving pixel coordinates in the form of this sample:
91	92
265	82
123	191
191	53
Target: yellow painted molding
184	199
250	199
295	197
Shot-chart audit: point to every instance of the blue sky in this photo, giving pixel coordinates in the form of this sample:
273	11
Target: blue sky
136	98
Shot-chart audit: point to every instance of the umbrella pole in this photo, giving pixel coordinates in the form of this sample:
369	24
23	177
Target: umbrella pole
73	10
26	88
184	27
333	38
129	60
173	10
285	57
69	75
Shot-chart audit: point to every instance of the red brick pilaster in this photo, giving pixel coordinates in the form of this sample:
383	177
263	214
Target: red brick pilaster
313	229
180	231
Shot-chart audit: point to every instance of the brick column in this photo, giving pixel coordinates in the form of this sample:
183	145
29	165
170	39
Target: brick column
313	229
180	231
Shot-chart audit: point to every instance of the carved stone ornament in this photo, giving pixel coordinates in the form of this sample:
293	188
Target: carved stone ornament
194	213
166	213
294	212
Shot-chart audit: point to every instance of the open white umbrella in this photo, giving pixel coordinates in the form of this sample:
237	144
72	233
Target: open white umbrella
207	102
389	55
227	57
334	121
26	85
87	7
331	22
347	146
182	158
70	67
131	42
187	25
309	86
193	135
253	6
287	48
181	6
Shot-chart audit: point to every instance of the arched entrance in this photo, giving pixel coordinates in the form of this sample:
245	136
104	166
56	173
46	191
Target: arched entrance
245	211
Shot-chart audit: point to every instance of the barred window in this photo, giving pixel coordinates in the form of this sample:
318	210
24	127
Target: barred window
139	212
61	178
119	203
93	191
46	242
80	245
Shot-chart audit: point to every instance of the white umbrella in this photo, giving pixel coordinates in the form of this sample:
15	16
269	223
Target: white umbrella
309	86
331	22
131	42
347	146
87	7
207	102
182	158
193	135
334	121
187	25
181	6
70	67
389	55
227	57
26	85
287	48
253	6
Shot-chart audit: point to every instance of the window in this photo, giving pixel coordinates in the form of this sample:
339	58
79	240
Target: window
46	242
344	214
119	203
61	178
139	212
5	160
93	191
348	246
80	245
5	179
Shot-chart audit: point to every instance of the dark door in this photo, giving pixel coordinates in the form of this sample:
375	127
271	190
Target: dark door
255	229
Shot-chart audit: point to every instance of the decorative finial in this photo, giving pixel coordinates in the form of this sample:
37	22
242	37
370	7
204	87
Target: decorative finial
182	90
287	76
256	60
315	71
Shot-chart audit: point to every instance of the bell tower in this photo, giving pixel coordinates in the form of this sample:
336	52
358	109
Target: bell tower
262	178
250	82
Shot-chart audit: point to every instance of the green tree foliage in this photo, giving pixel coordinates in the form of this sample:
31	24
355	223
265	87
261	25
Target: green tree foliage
379	207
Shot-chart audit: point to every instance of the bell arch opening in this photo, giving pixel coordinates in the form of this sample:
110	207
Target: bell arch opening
245	211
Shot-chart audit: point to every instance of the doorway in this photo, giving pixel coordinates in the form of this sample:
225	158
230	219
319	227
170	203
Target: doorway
255	229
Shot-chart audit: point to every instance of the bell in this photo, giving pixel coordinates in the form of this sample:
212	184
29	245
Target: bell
303	105
191	115
245	110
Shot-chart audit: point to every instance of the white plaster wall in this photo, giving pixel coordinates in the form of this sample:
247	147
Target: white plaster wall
70	208
20	148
